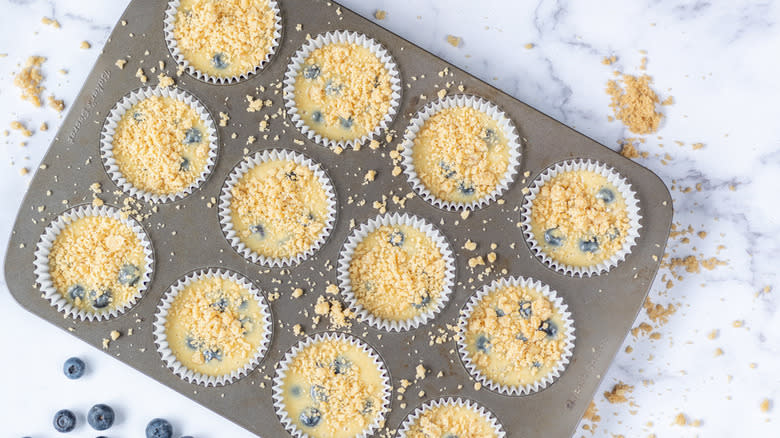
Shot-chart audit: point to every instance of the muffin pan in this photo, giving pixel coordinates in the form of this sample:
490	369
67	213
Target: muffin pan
187	236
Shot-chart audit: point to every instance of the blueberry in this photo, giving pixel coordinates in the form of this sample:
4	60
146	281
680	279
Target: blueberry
243	305
490	136
332	89
466	189
450	435
184	166
537	364
317	117
614	234
100	417
521	337
377	83
138	117
368	407
447	170
209	355
292	176
129	275
246	322
606	195
310	417
76	291
425	299
591	245
102	300
192	344
295	391
483	344
341	365
318	393
219	61
221	304
524	308
551	238
346	123
397	238
193	135
500	313
73	368
257	230
64	421
549	327
311	72
159	428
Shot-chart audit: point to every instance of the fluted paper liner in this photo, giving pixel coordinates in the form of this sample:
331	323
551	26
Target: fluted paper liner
510	132
109	129
296	63
632	208
226	216
345	282
568	332
284	364
41	261
168	26
161	339
410	419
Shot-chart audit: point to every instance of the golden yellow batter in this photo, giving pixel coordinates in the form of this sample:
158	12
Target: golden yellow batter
215	326
579	218
451	421
279	208
342	91
397	273
333	389
161	145
97	263
224	38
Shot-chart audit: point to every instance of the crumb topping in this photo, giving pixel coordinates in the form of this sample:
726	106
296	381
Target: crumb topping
634	103
29	80
451	421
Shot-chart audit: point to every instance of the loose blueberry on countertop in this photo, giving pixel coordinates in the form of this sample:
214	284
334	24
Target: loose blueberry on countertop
341	365
295	391
591	245
397	238
102	300
129	275
606	195
466	189
76	291
549	327
221	304
490	137
192	136
524	308
425	299
257	230
346	123
483	344
184	166
100	417
64	421
73	368
159	428
318	393
209	355
310	417
447	169
311	72
219	61
316	116
551	238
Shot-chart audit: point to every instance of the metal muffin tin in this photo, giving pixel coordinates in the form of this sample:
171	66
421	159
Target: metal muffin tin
603	307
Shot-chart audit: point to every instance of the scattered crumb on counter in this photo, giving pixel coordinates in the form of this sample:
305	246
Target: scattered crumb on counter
529	46
85	45
609	60
164	81
115	335
50	22
120	63
618	393
380	14
453	40
634	103
57	104
29	79
766	405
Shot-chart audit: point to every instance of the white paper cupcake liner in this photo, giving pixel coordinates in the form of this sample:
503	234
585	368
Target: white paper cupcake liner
568	332
632	208
341	37
345	258
109	129
41	261
168	27
226	217
160	334
281	373
406	426
510	132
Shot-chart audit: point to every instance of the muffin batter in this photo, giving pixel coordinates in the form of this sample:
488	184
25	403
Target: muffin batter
460	154
97	263
515	336
224	38
579	218
215	326
333	389
342	91
451	420
279	208
397	273
161	145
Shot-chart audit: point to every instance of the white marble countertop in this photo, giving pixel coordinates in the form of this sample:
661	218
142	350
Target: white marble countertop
718	59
